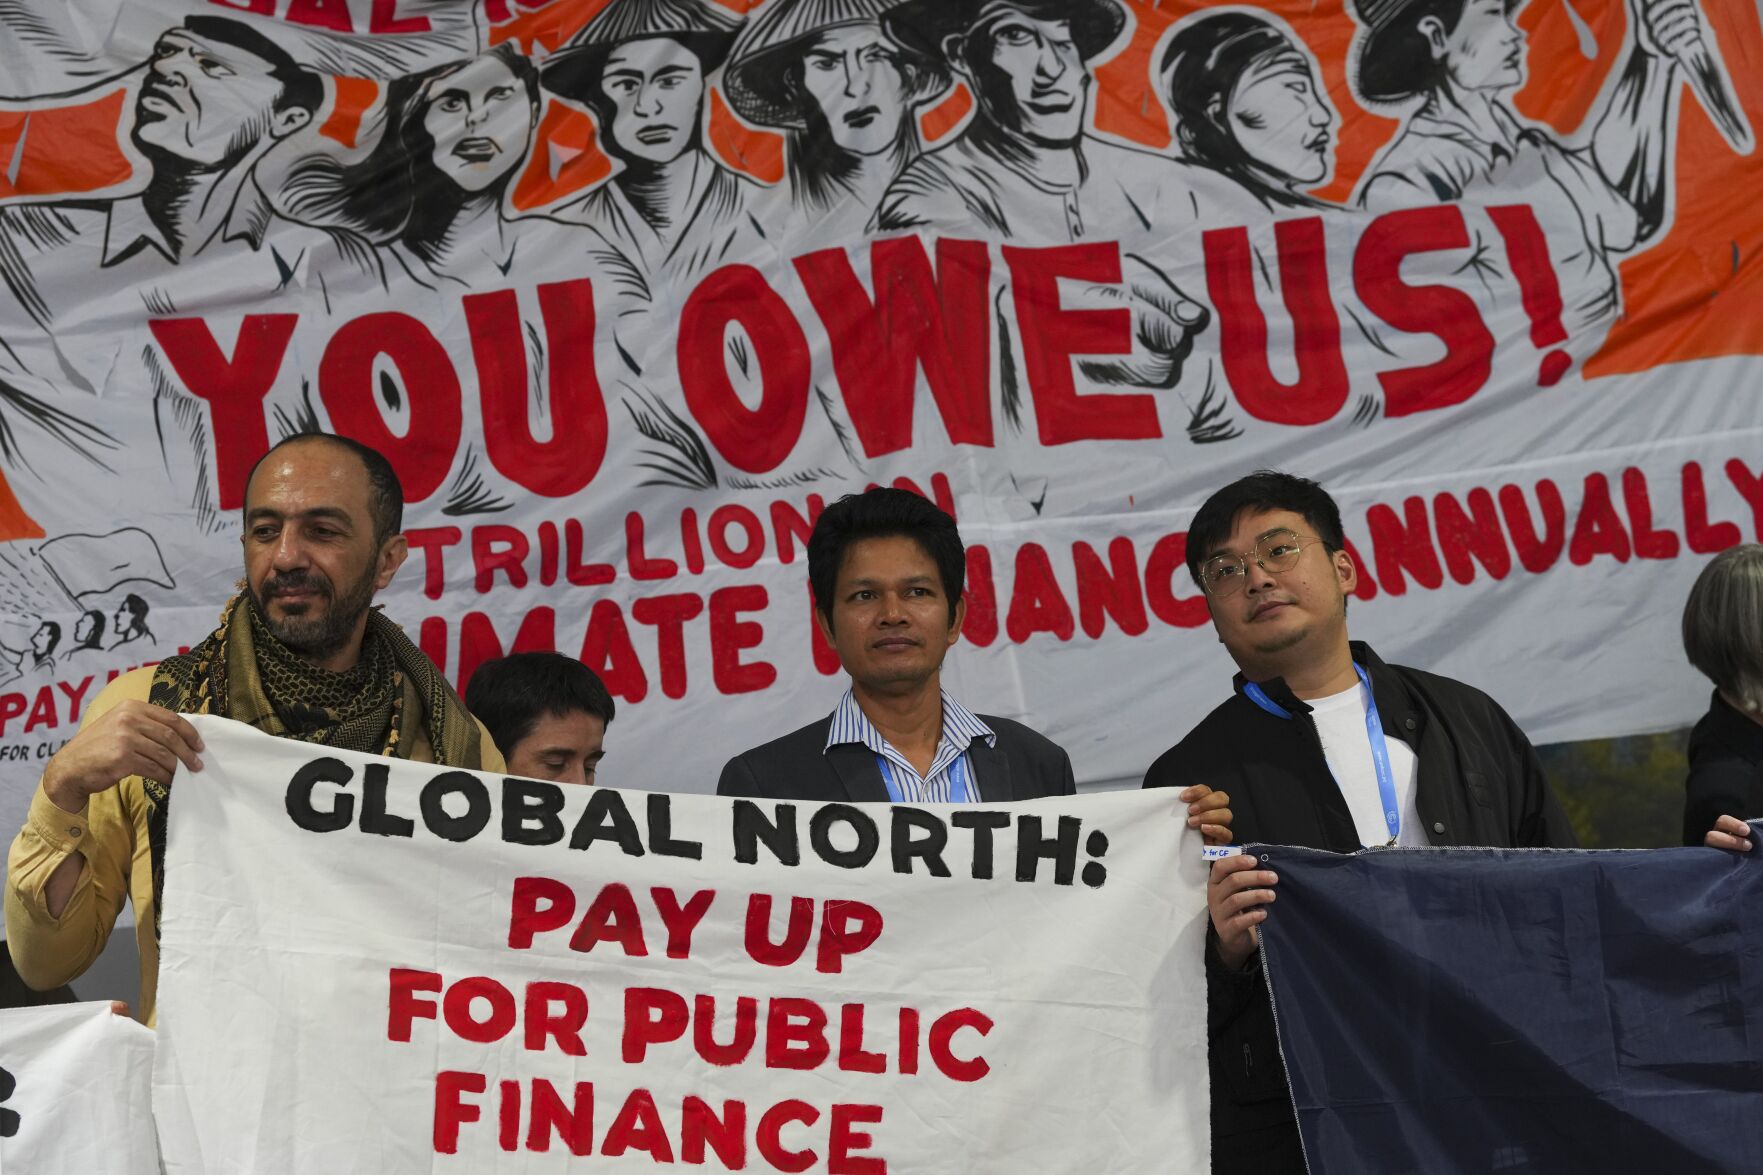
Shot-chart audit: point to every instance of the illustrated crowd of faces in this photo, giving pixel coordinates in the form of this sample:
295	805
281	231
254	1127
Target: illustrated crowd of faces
843	93
846	82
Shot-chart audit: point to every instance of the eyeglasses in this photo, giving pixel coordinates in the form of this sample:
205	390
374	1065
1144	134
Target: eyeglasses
1224	575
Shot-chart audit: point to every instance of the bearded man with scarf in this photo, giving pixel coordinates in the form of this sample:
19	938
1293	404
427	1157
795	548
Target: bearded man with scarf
300	653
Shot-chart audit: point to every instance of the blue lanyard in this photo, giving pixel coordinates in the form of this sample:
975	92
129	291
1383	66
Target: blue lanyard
1380	751
957	771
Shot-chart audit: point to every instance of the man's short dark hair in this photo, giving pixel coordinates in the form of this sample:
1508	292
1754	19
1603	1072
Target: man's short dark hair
878	514
1265	489
301	87
510	694
385	491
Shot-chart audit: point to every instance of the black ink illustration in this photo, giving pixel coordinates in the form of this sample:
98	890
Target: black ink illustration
88	631
432	189
130	621
845	95
86	565
1457	62
43	642
1247	104
641	67
470	491
217	94
1023	164
682	458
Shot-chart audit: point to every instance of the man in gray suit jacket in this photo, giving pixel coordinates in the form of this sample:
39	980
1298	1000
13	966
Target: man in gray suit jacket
888	568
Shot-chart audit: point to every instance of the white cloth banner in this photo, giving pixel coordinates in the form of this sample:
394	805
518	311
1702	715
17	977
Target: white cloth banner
377	966
75	1092
621	353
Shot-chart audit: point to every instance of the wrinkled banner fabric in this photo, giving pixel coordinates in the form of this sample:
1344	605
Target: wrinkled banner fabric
627	290
1521	1010
374	966
75	1092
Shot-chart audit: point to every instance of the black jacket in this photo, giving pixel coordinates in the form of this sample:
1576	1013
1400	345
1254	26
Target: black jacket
1726	770
1022	765
1477	782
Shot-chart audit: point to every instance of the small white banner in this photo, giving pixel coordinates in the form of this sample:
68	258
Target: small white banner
75	1092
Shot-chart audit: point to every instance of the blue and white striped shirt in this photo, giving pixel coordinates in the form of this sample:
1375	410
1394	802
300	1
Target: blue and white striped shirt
951	778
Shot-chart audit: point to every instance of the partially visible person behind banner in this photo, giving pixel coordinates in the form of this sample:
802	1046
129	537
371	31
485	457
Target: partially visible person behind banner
888	569
300	653
1321	745
1723	637
547	713
431	190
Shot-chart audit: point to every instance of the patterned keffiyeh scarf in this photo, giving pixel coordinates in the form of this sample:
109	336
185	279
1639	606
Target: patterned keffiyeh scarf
241	671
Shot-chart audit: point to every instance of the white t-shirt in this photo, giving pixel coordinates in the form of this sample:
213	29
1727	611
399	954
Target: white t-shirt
1340	721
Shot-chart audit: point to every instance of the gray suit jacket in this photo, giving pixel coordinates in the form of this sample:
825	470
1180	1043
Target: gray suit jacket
1022	765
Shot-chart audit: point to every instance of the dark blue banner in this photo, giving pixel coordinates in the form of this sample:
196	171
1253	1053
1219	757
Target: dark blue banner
1498	1010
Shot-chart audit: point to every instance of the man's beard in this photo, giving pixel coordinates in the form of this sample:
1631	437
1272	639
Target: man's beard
329	622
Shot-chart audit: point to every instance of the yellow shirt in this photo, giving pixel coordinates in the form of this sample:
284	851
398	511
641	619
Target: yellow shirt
112	835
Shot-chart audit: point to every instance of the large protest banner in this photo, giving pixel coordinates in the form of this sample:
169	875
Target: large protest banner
370	965
628	289
1523	1010
75	1092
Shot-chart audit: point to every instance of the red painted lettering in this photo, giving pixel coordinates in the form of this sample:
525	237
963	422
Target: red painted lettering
668	616
795	1034
433	541
1109	590
752	439
352	386
233	389
608	651
1649	541
652	1015
1597	530
730	636
1037	604
564	1024
1536	554
451	1108
498	548
1401	544
1053	335
403	1006
567	462
917	318
1466	538
1321	385
478	641
1438	310
1703	538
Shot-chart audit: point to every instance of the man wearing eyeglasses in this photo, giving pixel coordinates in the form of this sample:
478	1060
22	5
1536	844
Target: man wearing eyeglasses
1323	745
